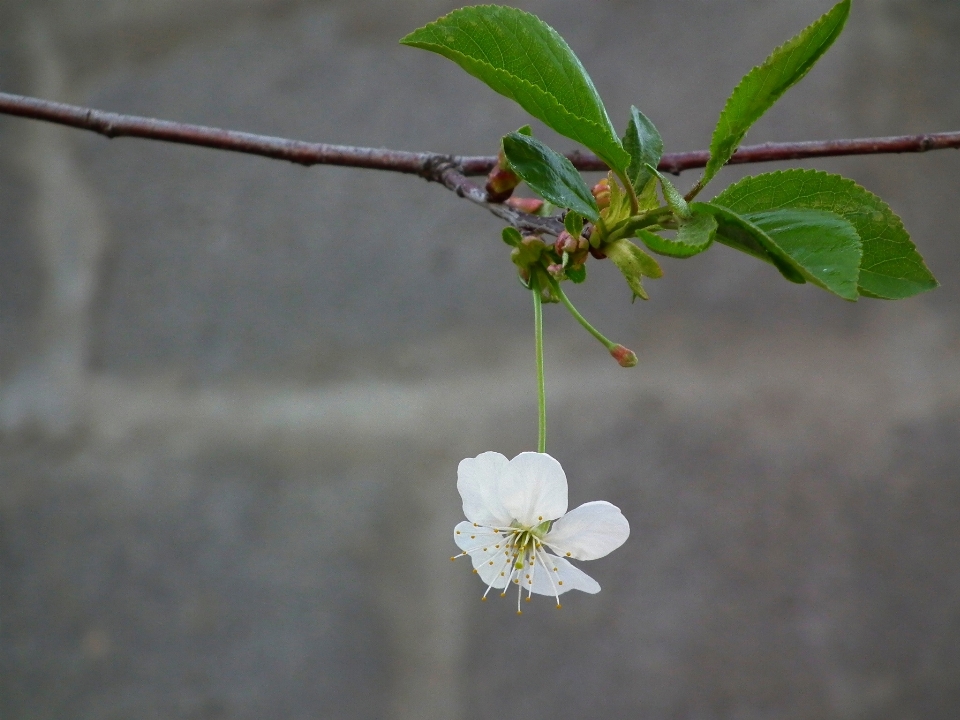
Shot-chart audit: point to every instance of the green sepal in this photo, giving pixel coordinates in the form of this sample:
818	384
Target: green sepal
890	268
521	57
528	252
633	263
765	84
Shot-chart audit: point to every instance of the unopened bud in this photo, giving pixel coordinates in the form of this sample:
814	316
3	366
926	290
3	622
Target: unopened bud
534	243
597	253
527	205
579	258
625	357
566	243
601	192
500	184
556	270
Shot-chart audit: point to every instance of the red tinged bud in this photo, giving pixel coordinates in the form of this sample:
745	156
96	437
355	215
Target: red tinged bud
601	193
527	205
500	184
625	357
566	243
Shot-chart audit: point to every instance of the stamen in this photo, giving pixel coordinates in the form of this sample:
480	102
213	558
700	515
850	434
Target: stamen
542	557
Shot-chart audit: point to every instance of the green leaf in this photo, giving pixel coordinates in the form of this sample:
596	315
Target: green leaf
739	233
890	268
521	57
692	237
765	84
803	245
511	236
673	196
573	223
550	174
824	247
645	146
633	263
577	274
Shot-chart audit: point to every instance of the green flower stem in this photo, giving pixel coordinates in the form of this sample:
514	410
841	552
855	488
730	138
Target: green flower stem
541	384
611	346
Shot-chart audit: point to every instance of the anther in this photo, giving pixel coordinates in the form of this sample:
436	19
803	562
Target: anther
540	518
559	582
519	612
491	562
453	558
559	606
527	600
474	537
568	554
483	599
474	569
503	594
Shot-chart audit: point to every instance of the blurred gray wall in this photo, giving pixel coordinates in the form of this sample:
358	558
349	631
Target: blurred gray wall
234	392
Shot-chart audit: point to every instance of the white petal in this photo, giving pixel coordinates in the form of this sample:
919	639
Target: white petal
533	489
478	480
481	543
589	531
547	581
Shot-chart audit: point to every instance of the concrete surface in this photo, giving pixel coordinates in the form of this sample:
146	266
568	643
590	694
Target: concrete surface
233	392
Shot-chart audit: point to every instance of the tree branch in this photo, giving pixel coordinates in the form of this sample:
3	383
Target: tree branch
448	170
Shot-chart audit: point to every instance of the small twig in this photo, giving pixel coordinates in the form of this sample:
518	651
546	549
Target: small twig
450	171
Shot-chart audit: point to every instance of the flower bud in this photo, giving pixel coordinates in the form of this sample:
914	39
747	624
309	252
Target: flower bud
534	243
625	357
500	184
601	192
566	243
579	258
527	205
556	270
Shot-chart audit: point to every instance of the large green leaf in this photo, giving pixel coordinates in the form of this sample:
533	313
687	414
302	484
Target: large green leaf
803	245
550	174
739	233
523	58
823	246
642	140
765	84
890	268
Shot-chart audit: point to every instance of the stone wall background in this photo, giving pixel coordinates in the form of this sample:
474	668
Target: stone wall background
233	392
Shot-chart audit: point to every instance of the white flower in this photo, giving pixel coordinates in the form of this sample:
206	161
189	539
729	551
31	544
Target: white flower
516	511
